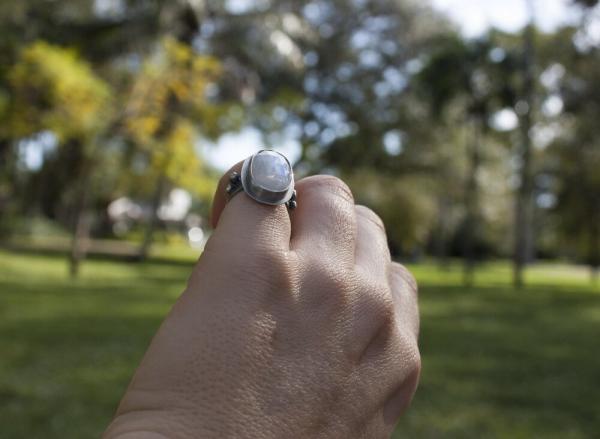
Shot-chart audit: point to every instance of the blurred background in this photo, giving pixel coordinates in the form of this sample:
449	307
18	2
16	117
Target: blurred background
471	127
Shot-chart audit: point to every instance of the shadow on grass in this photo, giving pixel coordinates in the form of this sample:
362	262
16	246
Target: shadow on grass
124	253
66	372
69	348
502	363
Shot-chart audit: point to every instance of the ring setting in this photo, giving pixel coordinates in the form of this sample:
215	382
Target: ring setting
266	177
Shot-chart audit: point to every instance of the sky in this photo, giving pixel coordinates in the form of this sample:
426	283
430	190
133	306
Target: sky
475	16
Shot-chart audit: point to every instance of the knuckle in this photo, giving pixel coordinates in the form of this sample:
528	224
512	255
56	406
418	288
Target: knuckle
329	183
404	362
414	362
405	277
413	368
379	305
417	365
369	215
410	364
333	283
408	372
276	259
333	276
377	314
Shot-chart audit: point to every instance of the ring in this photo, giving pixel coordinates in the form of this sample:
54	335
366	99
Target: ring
266	177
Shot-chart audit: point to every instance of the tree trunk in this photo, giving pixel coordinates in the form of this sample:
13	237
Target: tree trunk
5	177
523	203
153	222
79	244
471	203
594	250
82	216
82	220
440	246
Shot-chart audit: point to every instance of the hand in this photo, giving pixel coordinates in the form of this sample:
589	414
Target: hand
293	325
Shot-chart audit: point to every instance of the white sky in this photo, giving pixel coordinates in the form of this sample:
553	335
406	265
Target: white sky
234	147
475	16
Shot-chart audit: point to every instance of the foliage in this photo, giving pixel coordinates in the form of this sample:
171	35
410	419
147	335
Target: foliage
574	154
408	214
53	89
167	96
387	92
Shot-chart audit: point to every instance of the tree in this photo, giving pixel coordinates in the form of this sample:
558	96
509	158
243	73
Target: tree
464	86
574	154
335	77
53	89
167	96
113	35
523	240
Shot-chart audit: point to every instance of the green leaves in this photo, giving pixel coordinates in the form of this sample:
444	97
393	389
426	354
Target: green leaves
54	89
168	95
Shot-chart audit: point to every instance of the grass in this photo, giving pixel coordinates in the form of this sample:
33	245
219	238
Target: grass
509	364
496	362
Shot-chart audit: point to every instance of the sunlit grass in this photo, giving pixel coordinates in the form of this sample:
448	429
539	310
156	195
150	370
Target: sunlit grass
496	362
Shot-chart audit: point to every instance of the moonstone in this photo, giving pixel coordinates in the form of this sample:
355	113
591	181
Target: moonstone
271	171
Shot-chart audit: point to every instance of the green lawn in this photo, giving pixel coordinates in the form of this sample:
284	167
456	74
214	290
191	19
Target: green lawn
496	362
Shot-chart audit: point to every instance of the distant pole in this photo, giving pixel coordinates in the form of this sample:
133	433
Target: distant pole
472	202
524	202
595	247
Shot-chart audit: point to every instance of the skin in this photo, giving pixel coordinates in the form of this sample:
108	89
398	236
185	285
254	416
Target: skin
293	324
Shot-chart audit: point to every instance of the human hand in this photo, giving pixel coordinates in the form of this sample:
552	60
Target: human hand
292	325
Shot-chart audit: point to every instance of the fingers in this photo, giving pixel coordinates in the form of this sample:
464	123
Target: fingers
246	221
324	222
372	253
405	295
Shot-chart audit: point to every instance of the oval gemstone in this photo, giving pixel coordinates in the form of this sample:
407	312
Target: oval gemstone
271	171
